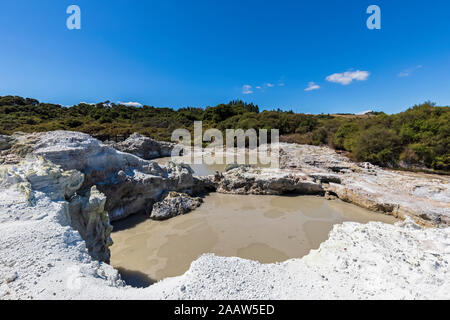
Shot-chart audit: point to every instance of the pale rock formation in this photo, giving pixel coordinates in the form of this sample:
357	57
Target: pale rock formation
85	213
38	245
130	184
145	147
15	147
89	218
423	197
247	180
109	184
42	257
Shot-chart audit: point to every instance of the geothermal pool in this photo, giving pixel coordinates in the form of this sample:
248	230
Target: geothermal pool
263	228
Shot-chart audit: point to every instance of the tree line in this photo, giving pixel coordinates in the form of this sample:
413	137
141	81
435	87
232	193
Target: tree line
416	138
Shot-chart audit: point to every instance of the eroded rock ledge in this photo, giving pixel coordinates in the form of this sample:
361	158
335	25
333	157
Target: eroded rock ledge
130	184
423	197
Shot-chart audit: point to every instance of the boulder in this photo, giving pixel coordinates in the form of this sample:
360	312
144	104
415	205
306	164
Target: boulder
145	147
423	197
247	180
174	204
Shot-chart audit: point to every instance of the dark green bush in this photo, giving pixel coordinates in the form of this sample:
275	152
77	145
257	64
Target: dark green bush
418	137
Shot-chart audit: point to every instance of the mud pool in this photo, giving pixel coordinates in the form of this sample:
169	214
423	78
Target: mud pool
263	228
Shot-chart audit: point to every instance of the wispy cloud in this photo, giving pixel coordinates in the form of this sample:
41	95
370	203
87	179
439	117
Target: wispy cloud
247	89
348	77
364	112
312	86
130	104
408	72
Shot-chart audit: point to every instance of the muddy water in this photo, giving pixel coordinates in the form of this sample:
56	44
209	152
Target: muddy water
263	228
199	169
205	170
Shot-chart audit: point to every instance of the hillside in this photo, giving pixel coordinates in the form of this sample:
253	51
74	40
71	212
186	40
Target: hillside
416	138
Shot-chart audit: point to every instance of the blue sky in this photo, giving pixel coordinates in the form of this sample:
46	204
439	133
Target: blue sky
205	52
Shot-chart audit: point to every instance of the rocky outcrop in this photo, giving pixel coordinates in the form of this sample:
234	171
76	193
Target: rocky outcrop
89	218
5	142
248	180
174	204
130	184
40	230
99	183
145	147
35	177
423	197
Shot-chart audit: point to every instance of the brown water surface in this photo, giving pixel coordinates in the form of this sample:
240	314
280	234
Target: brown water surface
205	170
263	228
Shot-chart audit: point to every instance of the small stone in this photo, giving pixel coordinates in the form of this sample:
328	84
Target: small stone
174	204
11	277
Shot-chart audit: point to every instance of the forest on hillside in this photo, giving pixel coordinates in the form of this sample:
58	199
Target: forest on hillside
416	138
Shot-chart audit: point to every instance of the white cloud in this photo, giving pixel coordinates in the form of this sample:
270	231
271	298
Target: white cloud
130	104
247	89
364	112
312	86
347	77
408	72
